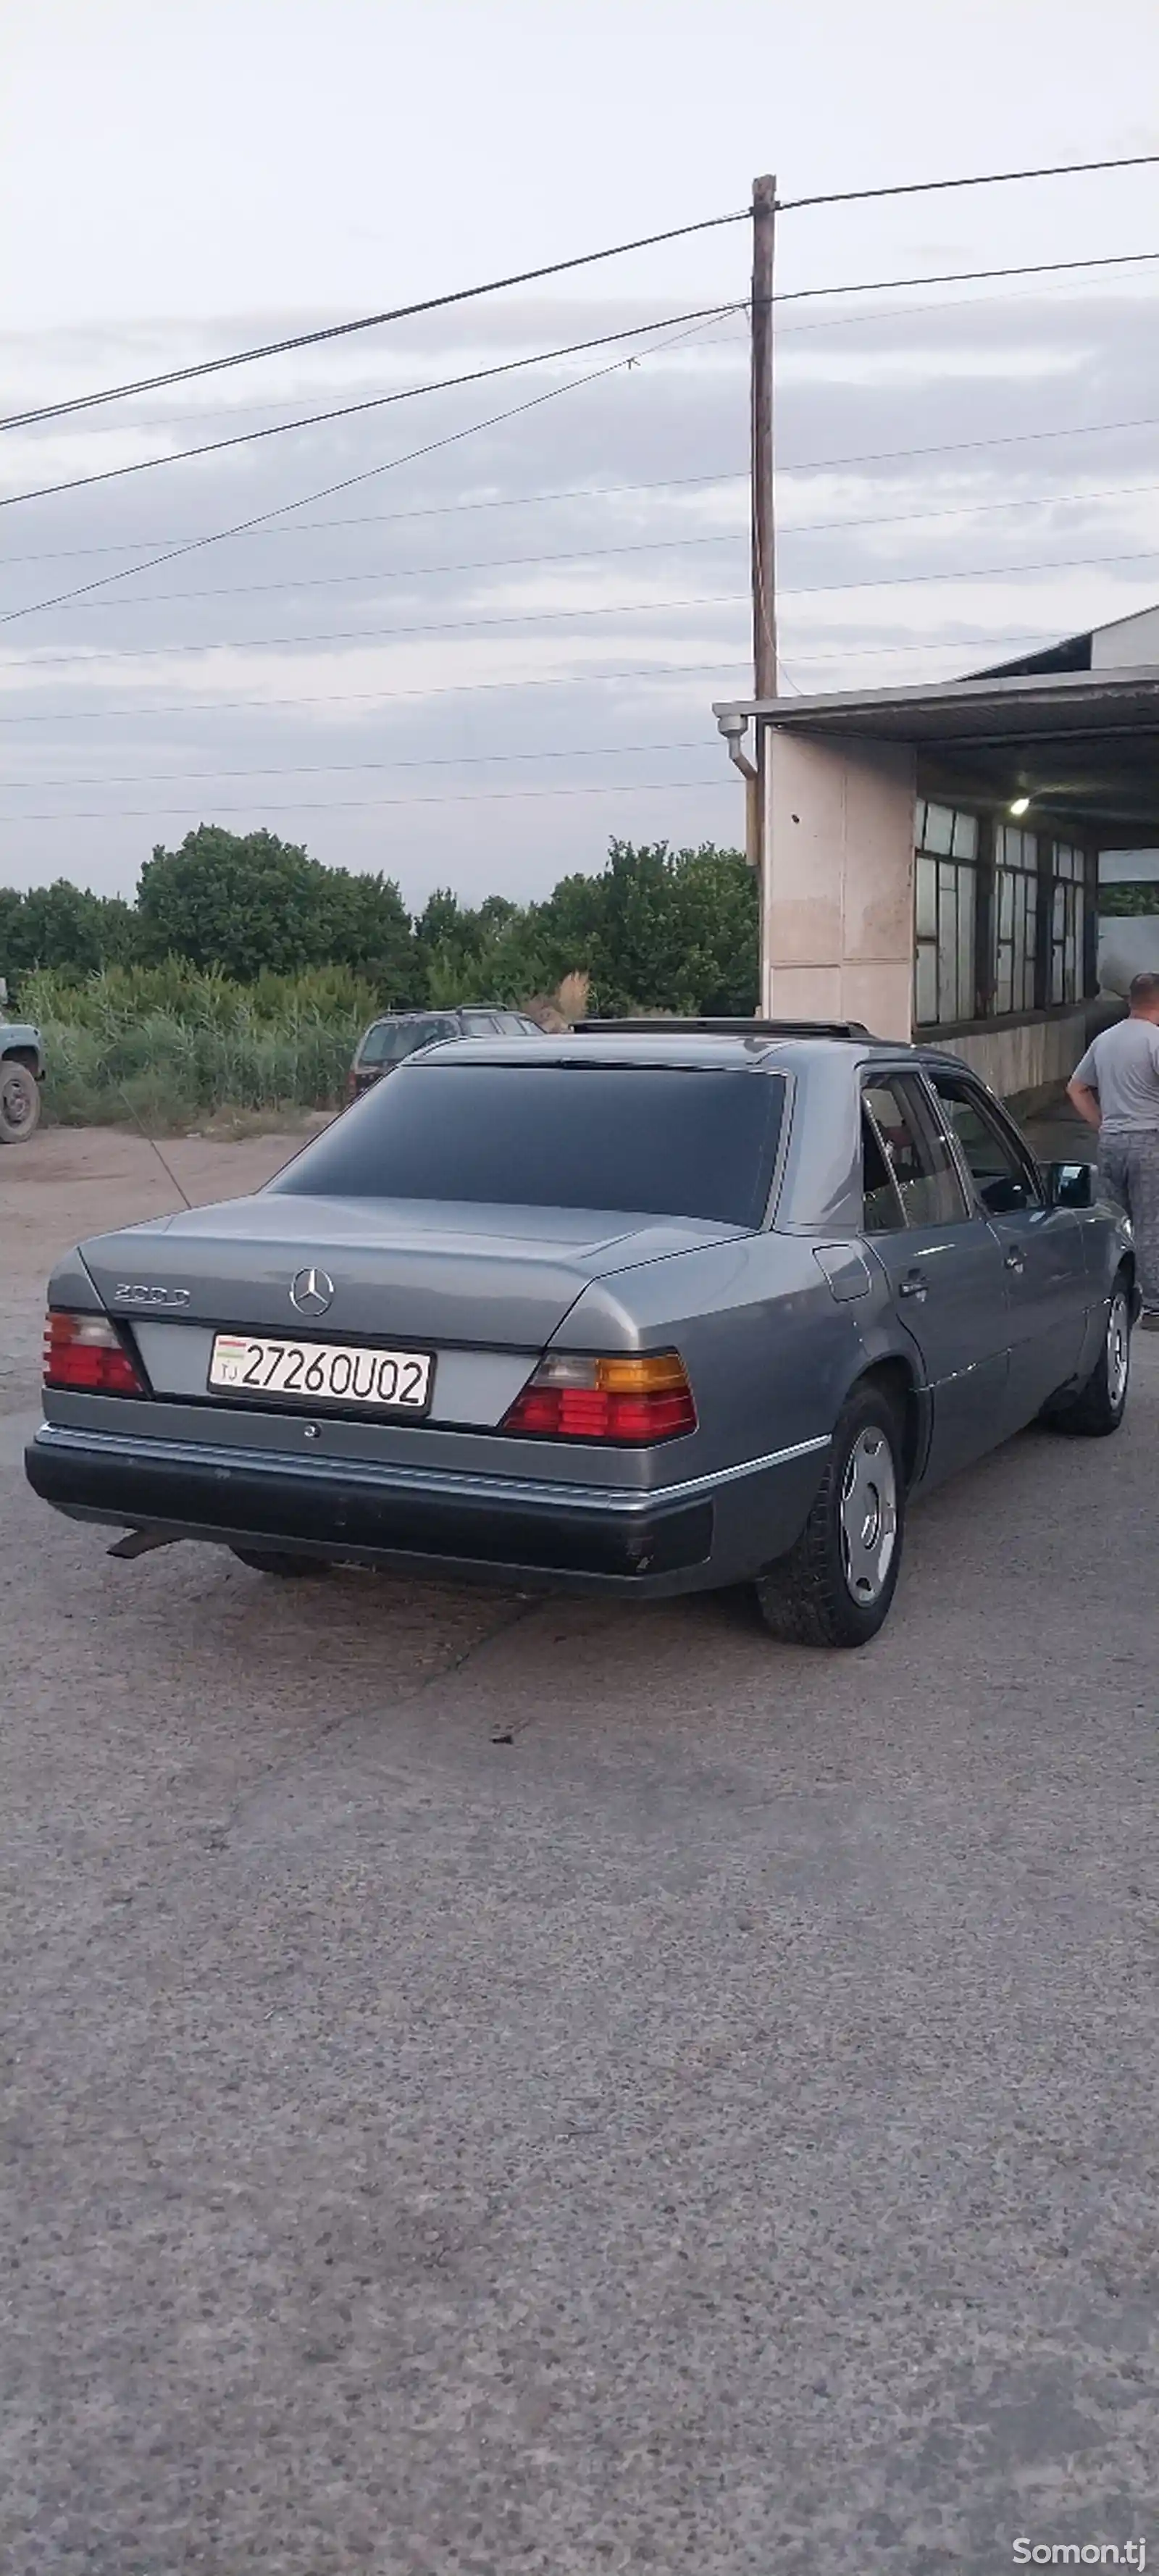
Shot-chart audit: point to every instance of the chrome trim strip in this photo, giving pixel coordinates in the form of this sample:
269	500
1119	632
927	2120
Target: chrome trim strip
604	1498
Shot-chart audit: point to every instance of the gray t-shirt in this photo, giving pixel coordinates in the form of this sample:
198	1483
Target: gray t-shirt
1122	1065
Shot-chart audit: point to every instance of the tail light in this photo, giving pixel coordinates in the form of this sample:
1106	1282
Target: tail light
574	1398
86	1352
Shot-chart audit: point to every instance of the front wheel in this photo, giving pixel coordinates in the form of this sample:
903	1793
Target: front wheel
834	1588
19	1102
1100	1404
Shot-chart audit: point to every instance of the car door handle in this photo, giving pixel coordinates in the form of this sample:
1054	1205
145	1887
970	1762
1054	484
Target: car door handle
1015	1260
916	1286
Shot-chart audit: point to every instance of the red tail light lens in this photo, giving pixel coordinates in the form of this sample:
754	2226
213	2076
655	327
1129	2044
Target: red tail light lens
86	1352
638	1400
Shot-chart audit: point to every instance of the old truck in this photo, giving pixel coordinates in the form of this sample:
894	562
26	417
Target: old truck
21	1075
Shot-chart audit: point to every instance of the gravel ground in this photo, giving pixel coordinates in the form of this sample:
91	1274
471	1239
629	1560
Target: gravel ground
497	2085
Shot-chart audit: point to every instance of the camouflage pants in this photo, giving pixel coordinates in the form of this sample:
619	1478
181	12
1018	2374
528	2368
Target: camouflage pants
1129	1171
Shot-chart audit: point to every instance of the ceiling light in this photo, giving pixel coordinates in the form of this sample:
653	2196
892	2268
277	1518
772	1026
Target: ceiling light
1020	805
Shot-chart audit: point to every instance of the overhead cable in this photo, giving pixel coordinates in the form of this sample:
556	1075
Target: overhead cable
542	357
551	268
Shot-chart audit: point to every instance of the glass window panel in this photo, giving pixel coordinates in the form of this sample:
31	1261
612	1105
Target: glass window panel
919	825
965	836
965	943
926	995
927	899
1005	903
917	1156
939	829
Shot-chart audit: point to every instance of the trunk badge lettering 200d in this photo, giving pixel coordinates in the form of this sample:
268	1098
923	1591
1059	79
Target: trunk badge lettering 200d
311	1292
129	1294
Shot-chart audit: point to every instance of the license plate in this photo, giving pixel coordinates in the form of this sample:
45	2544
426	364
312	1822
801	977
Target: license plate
321	1372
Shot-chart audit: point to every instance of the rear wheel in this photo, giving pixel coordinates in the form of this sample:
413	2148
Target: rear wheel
1099	1406
277	1560
19	1102
834	1588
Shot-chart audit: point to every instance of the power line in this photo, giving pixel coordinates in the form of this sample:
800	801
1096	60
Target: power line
984	179
388	518
382	697
421	572
597	554
347	804
537	616
341	768
370	402
357	635
792	331
531	276
366	322
830	322
347	482
618	491
484	688
478	375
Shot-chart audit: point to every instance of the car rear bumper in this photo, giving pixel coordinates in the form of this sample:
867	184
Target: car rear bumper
487	1527
593	1538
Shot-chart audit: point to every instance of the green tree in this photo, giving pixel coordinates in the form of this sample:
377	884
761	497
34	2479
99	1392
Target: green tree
64	926
250	903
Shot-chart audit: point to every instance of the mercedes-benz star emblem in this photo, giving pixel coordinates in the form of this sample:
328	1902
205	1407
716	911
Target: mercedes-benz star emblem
311	1291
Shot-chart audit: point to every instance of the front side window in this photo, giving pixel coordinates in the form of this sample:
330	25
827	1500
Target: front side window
1004	1176
908	1170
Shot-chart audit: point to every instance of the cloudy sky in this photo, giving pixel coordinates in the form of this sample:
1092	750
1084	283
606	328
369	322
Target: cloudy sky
479	630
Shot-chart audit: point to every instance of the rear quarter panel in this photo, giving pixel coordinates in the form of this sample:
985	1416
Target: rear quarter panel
769	1350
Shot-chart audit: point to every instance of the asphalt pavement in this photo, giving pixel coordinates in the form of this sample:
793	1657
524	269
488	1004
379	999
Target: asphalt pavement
517	2085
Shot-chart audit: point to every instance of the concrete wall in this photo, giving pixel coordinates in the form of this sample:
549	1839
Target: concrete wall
1022	1063
839	882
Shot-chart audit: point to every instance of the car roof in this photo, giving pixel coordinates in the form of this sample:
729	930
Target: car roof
667	1047
443	1011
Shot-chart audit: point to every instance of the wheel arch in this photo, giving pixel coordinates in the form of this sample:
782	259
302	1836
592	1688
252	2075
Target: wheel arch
895	1375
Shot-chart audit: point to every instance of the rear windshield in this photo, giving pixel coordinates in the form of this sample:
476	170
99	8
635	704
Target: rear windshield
389	1040
677	1142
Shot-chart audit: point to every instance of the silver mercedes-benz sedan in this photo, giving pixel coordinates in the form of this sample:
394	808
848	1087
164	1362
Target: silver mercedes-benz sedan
639	1313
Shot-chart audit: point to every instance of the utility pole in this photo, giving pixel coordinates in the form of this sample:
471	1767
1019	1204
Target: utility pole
764	568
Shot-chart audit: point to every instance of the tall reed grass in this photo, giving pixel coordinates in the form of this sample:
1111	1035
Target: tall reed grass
170	1046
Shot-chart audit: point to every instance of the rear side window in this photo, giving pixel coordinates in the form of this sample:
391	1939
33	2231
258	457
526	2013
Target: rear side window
637	1139
909	1176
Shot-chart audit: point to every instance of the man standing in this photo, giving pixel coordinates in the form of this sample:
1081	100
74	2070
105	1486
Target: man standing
1116	1090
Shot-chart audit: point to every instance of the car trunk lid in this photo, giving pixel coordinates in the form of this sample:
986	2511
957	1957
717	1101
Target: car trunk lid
429	1271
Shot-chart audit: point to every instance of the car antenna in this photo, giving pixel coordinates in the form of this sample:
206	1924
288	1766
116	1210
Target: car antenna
167	1168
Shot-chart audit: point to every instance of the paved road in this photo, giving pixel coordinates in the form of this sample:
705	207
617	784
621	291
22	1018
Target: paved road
502	2086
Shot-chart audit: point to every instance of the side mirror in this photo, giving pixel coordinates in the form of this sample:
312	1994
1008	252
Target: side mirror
1070	1185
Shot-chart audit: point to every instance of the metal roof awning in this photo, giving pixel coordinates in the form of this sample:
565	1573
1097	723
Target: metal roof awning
1079	743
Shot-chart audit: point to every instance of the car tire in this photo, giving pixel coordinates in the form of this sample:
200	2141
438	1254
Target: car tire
835	1587
1101	1402
277	1560
19	1102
